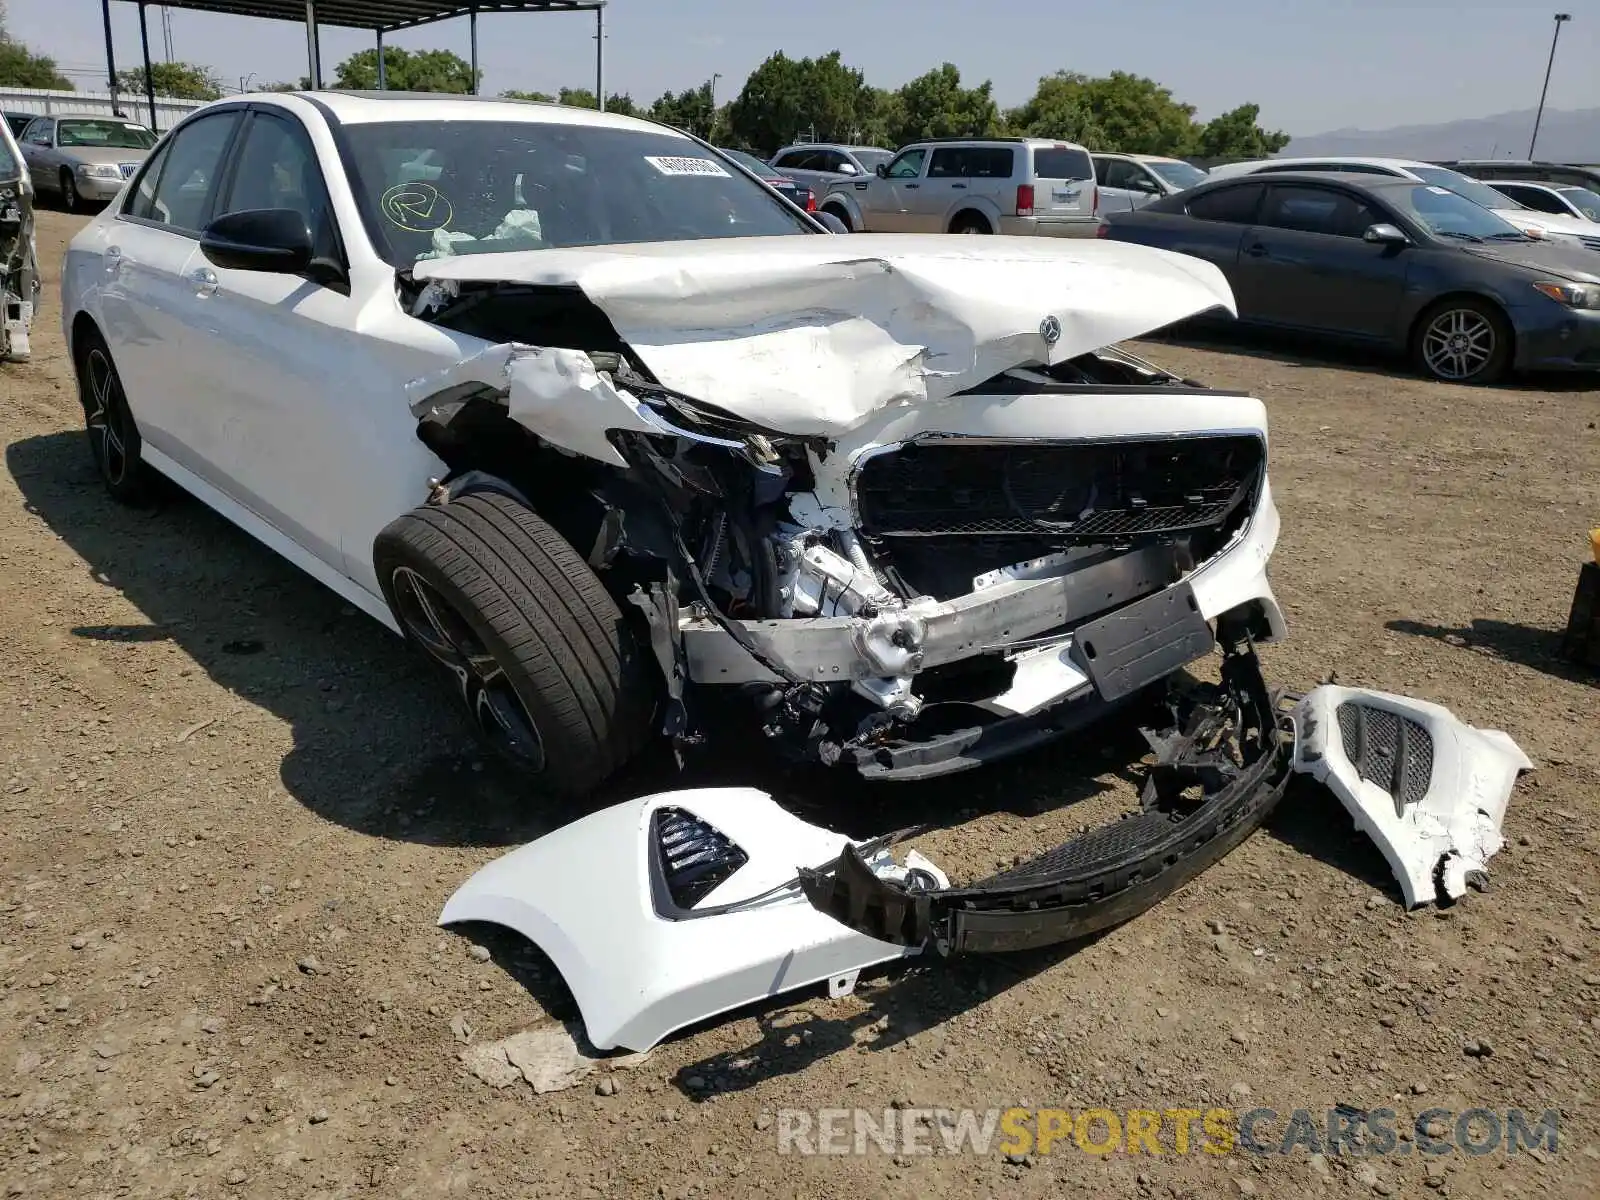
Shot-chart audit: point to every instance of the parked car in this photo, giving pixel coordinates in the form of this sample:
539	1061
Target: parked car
1558	199
820	165
608	438
1133	180
1386	261
1489	170
796	193
83	160
15	121
19	268
1525	219
971	185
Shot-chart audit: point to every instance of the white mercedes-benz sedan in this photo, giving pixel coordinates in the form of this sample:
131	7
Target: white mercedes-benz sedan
606	427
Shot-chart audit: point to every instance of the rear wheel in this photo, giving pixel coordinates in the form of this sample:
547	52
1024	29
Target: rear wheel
969	223
551	675
113	436
1463	340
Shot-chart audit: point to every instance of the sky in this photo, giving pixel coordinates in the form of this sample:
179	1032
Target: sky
1313	66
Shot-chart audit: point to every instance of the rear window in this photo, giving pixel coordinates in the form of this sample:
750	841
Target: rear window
432	188
1062	162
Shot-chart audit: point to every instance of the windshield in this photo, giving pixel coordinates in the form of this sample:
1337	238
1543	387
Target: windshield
1178	174
432	188
1465	185
755	164
1450	215
118	135
1585	201
871	158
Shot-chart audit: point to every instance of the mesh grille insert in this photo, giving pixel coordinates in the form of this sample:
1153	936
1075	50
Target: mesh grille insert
695	857
1391	751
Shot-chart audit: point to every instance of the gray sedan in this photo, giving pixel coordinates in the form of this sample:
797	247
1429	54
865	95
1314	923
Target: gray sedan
1387	262
83	160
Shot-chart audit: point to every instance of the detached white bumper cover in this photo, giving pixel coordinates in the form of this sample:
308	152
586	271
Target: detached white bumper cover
632	904
1430	790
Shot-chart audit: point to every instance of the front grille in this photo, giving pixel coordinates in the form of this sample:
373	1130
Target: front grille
127	169
1593	243
1391	751
1077	493
695	857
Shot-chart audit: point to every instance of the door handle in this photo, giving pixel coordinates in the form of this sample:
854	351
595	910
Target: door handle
959	185
1256	250
913	185
204	280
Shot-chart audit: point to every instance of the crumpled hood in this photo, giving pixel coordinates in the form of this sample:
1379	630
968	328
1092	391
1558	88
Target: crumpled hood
809	335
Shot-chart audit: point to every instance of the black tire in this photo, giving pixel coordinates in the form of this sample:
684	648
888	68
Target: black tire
555	680
841	214
1462	339
70	199
969	222
114	440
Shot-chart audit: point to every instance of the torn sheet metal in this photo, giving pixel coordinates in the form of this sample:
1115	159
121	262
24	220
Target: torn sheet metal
663	911
1429	789
809	335
559	394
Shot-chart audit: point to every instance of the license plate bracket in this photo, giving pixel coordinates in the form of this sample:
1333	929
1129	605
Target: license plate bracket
1142	642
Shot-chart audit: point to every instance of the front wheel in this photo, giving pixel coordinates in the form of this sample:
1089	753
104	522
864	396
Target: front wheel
1463	340
70	199
549	672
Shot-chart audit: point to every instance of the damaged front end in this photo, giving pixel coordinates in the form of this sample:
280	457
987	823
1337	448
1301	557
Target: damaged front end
19	270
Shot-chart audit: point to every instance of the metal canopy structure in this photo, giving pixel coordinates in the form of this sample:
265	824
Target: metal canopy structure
379	16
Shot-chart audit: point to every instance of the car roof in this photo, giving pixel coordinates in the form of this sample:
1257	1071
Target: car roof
831	146
1143	158
359	108
1360	179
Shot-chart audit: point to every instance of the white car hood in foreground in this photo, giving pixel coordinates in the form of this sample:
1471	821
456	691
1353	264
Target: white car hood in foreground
810	335
1430	790
1550	223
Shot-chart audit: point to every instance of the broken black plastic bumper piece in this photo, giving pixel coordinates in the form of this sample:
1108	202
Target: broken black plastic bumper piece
1219	769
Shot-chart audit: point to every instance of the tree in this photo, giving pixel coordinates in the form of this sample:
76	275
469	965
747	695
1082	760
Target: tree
283	85
514	94
787	98
584	98
186	81
694	111
21	67
1235	134
1058	109
406	71
936	105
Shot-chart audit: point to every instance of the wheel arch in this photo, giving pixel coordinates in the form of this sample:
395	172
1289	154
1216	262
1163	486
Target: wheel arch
843	206
80	325
968	209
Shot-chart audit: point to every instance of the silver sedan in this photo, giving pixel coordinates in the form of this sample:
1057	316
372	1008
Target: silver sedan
83	160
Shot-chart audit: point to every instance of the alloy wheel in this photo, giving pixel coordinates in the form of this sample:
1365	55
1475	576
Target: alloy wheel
445	636
106	411
1459	343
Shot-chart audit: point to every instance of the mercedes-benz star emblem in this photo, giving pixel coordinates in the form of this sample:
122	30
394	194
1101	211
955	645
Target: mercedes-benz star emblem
1050	331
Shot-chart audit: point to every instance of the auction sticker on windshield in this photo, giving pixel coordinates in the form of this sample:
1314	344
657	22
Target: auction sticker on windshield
670	165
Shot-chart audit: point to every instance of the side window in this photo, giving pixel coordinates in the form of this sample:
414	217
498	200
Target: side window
38	132
277	168
1121	174
990	162
142	197
1536	198
909	164
1318	210
1102	170
833	160
1235	205
194	156
947	162
797	160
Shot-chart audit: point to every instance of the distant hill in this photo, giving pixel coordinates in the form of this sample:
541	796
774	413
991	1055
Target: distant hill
1563	137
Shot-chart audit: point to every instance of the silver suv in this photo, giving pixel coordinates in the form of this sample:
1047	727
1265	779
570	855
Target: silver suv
975	185
820	165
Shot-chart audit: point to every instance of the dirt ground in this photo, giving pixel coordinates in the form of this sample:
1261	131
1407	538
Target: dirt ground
234	808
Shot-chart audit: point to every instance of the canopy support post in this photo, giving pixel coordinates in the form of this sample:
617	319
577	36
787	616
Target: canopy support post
472	24
600	57
149	78
111	57
383	76
313	46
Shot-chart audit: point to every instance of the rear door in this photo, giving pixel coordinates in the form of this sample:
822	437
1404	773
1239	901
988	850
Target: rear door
1210	226
1304	264
976	178
1063	183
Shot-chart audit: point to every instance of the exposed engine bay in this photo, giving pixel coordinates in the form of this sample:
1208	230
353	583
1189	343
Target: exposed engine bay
19	270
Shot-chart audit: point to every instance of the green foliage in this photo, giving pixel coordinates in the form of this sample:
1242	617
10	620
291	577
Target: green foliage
787	98
283	85
584	98
936	105
514	94
1058	109
1236	134
185	81
693	111
406	71
21	67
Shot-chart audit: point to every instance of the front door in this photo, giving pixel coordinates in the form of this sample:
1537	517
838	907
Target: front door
886	202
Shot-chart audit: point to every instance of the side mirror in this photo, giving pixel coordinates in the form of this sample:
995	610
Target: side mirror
881	170
831	222
1385	234
1148	186
274	240
847	168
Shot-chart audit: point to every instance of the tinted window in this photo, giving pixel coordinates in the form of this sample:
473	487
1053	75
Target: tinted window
1534	198
458	187
108	131
1317	210
1236	205
38	132
276	168
800	160
141	199
908	165
1586	201
970	162
1123	174
189	172
1062	162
